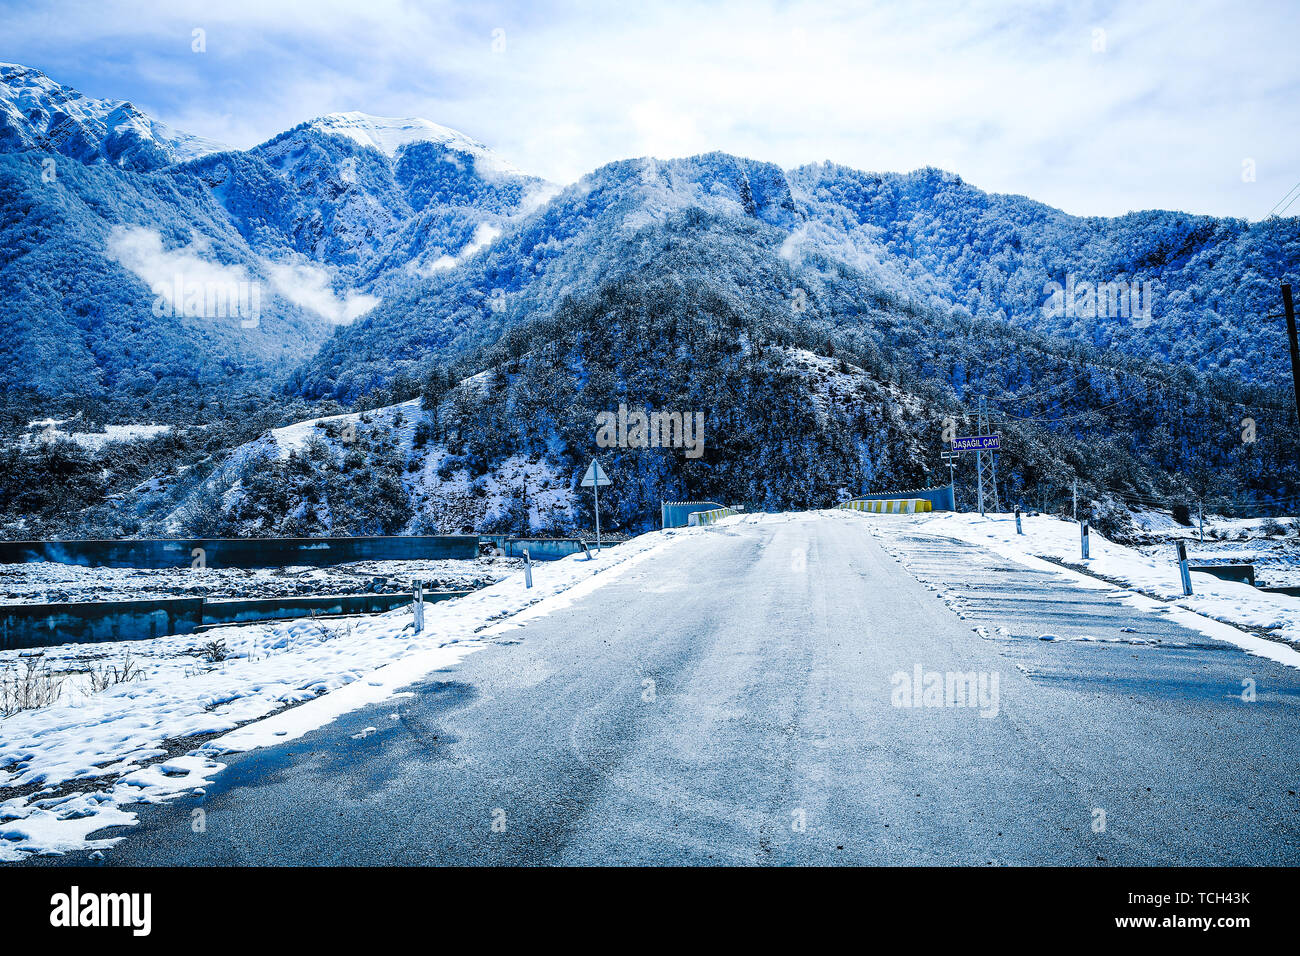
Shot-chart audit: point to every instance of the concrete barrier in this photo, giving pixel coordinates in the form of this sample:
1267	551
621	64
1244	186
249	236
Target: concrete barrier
43	625
697	518
1241	573
895	506
1289	591
240	552
942	498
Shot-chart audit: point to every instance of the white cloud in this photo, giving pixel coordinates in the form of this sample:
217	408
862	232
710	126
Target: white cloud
141	251
186	281
187	275
310	286
484	235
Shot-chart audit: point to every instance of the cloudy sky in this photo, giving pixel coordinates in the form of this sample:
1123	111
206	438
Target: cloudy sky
1098	108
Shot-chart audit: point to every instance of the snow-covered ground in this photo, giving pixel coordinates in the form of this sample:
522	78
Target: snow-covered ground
1271	621
74	767
1276	560
47	430
1272	545
44	582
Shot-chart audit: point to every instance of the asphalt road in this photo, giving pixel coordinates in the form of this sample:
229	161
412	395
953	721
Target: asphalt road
732	700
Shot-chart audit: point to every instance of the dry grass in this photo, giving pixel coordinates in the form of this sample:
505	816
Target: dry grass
28	684
109	675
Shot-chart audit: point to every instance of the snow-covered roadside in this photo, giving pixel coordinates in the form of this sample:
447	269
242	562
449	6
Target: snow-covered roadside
1213	609
91	755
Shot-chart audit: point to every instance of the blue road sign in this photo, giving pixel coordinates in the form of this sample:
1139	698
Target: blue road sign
977	443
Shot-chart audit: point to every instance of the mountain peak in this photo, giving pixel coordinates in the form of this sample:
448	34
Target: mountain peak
37	112
391	134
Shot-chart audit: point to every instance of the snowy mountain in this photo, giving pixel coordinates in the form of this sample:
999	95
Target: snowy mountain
120	234
391	252
38	113
1191	289
382	199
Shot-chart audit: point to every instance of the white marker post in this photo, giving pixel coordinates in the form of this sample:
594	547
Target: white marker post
593	479
419	606
1183	572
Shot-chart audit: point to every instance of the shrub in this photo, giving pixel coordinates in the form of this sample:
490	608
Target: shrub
214	652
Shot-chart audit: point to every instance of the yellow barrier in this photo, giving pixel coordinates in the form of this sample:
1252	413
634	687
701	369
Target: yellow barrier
890	506
697	518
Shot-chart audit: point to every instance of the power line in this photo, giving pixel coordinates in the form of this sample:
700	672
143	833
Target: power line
1283	199
1158	385
1051	388
1083	414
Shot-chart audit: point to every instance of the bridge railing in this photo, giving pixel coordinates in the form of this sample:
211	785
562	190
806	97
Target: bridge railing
677	514
942	498
698	518
889	506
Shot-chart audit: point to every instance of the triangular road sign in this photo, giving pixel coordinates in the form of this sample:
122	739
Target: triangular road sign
595	475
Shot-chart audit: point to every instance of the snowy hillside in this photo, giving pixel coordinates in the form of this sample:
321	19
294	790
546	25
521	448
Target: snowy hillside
449	243
454	462
311	468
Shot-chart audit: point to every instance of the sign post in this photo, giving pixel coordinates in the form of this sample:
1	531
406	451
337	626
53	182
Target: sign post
951	458
593	479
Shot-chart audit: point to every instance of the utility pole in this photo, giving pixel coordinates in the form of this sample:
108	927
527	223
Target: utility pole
1200	519
1075	498
1289	308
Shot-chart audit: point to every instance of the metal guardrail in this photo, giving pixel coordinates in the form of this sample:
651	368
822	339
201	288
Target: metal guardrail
888	506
